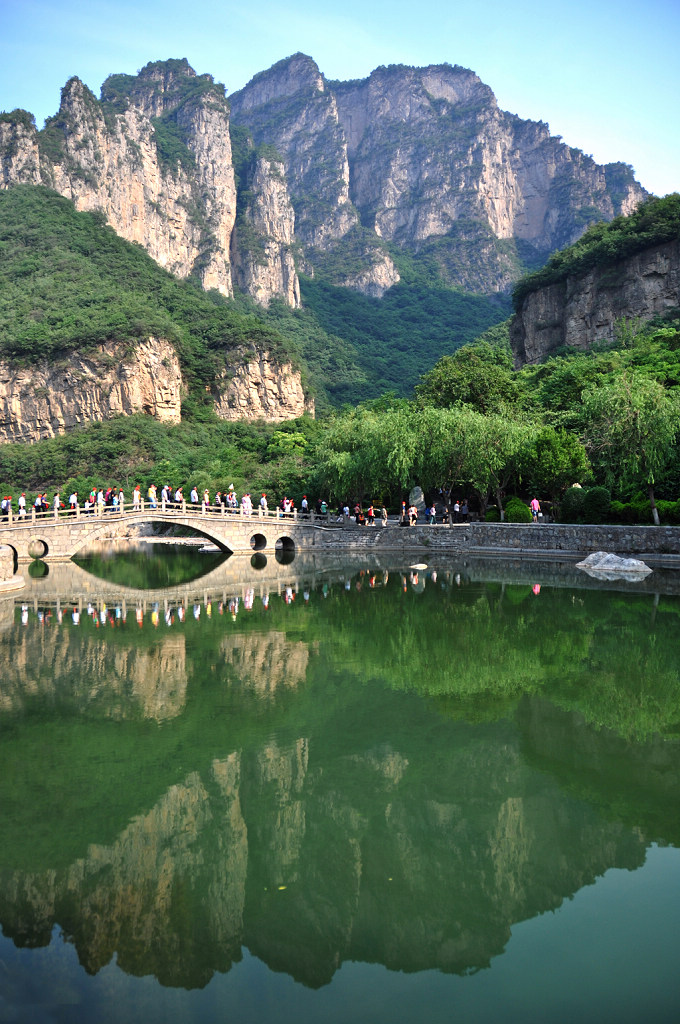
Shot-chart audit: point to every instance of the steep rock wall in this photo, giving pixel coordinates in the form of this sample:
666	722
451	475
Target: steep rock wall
421	158
584	310
113	156
424	158
51	398
262	256
261	388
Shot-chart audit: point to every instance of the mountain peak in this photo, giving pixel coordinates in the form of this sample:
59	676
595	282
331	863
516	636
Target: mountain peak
284	79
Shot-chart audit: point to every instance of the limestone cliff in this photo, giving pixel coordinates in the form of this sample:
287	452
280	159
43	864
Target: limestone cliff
290	107
258	387
583	310
154	156
424	158
52	397
419	159
262	240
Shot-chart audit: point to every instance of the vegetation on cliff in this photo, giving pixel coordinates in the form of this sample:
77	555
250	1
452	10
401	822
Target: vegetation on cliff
654	222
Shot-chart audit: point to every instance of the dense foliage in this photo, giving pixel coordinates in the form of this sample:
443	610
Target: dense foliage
68	281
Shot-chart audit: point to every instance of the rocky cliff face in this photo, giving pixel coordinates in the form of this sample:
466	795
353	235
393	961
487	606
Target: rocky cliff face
51	398
584	310
423	158
154	155
261	388
262	240
417	160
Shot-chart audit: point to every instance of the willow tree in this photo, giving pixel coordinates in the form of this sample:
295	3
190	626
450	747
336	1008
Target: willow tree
368	451
501	451
447	439
631	427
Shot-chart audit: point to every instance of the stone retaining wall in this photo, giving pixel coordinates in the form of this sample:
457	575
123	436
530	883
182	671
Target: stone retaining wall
620	540
515	539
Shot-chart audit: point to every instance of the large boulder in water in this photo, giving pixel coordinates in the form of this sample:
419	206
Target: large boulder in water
604	566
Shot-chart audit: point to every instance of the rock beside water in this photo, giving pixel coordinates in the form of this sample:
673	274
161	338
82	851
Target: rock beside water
604	566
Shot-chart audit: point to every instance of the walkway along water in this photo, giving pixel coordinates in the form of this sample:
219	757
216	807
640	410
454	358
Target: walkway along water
58	536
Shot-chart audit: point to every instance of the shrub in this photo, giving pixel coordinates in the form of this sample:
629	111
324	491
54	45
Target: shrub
492	515
572	505
517	512
596	505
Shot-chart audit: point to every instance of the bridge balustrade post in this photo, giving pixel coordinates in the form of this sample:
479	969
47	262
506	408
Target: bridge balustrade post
295	514
184	506
32	513
77	511
203	508
142	503
162	504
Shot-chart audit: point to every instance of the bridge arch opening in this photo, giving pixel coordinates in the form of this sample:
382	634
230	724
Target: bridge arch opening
285	544
258	542
15	557
37	548
285	550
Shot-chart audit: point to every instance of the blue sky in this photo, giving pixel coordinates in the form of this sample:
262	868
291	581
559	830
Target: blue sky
604	75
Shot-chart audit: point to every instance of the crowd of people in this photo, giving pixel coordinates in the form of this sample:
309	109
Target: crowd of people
113	499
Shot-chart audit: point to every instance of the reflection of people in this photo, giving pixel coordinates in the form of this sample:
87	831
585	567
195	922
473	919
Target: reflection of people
535	507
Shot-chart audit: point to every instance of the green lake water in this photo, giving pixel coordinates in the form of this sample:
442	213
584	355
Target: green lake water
249	792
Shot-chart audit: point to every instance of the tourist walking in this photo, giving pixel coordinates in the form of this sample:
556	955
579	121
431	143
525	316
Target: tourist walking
535	507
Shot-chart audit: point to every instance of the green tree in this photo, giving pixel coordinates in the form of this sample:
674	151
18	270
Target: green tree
477	375
555	459
632	424
501	450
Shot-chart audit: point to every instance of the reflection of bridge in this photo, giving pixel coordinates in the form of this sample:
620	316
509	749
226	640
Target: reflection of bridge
68	584
60	535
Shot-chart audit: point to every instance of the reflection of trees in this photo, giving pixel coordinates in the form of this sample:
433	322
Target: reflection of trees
591	651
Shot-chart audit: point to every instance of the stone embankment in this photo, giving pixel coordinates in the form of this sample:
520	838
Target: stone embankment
560	541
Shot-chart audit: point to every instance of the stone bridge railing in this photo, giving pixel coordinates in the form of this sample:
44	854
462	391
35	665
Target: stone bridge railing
61	533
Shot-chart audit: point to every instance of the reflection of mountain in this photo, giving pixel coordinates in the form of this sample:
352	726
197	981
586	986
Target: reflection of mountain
266	662
111	680
383	811
312	856
117	678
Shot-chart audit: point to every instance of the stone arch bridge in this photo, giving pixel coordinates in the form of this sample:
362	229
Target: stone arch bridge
58	536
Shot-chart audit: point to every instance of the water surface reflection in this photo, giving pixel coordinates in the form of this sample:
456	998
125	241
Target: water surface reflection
388	766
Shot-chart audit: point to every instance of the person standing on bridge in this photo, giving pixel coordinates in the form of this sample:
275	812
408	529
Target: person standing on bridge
22	505
206	498
193	496
73	503
136	497
263	502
